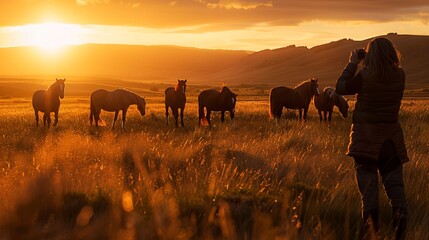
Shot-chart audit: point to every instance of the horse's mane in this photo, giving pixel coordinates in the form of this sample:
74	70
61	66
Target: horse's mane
135	96
51	87
338	99
330	90
225	89
304	82
131	95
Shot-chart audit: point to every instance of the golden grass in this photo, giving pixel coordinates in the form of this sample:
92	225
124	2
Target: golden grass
250	178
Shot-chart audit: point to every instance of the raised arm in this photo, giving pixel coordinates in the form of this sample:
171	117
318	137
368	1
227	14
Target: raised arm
348	83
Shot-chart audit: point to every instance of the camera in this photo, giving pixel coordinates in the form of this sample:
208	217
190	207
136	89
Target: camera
361	53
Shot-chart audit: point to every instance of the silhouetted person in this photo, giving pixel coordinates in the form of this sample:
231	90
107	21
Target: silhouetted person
376	138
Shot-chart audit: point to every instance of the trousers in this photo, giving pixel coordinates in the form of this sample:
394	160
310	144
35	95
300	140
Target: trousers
390	169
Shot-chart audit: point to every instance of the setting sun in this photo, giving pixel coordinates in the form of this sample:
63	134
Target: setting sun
50	36
214	119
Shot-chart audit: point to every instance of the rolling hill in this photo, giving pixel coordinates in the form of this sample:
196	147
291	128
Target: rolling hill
153	63
290	65
88	65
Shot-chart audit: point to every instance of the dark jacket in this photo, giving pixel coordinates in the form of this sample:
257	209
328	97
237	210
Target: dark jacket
375	117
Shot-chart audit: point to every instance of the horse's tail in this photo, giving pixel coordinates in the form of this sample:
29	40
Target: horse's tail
91	111
271	108
202	120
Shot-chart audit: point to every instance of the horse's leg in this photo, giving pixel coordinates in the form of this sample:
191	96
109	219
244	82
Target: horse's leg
320	115
208	117
222	116
56	118
166	114
329	116
181	116
115	118
280	112
305	114
300	114
45	118
49	119
36	113
91	113
176	115
97	116
200	114
124	115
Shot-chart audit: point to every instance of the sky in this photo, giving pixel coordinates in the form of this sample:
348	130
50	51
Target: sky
251	25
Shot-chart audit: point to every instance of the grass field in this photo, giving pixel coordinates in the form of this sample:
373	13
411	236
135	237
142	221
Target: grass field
246	179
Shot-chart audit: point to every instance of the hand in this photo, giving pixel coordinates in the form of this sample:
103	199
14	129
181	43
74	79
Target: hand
354	57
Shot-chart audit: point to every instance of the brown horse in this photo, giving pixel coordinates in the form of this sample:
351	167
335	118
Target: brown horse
48	101
114	101
214	100
325	103
175	98
296	98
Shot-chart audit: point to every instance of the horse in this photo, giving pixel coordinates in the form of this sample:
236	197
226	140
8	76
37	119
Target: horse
296	98
325	103
114	101
214	100
175	98
48	101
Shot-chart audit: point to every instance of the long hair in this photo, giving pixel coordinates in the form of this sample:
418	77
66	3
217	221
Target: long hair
381	59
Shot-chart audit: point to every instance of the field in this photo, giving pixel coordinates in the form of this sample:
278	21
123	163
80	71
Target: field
248	179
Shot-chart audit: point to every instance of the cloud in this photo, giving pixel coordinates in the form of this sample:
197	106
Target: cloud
91	2
217	14
235	4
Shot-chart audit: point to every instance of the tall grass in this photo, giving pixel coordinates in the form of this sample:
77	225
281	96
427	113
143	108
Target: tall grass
249	178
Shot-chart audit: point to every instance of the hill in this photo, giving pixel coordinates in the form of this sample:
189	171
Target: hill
105	64
290	65
149	63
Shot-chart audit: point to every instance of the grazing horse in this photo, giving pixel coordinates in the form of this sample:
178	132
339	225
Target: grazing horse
325	103
214	100
175	98
296	98
48	101
114	101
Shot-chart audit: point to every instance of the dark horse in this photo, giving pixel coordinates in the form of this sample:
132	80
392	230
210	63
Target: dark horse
214	100
114	101
175	98
48	101
325	103
296	98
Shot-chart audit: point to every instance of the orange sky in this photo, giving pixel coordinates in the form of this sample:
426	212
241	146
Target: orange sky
220	24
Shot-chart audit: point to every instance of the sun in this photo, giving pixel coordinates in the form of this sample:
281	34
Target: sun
51	36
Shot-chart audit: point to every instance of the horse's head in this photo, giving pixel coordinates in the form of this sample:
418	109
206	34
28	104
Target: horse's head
61	85
181	86
343	106
314	87
141	106
230	99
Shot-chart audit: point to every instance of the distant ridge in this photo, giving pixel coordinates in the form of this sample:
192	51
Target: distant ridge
283	66
139	62
291	65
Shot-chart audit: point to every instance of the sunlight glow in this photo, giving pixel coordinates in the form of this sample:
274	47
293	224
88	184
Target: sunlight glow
50	36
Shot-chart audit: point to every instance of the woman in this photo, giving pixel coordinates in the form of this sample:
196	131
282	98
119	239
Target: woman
376	138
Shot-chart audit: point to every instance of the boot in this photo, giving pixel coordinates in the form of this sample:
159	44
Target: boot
399	222
370	225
